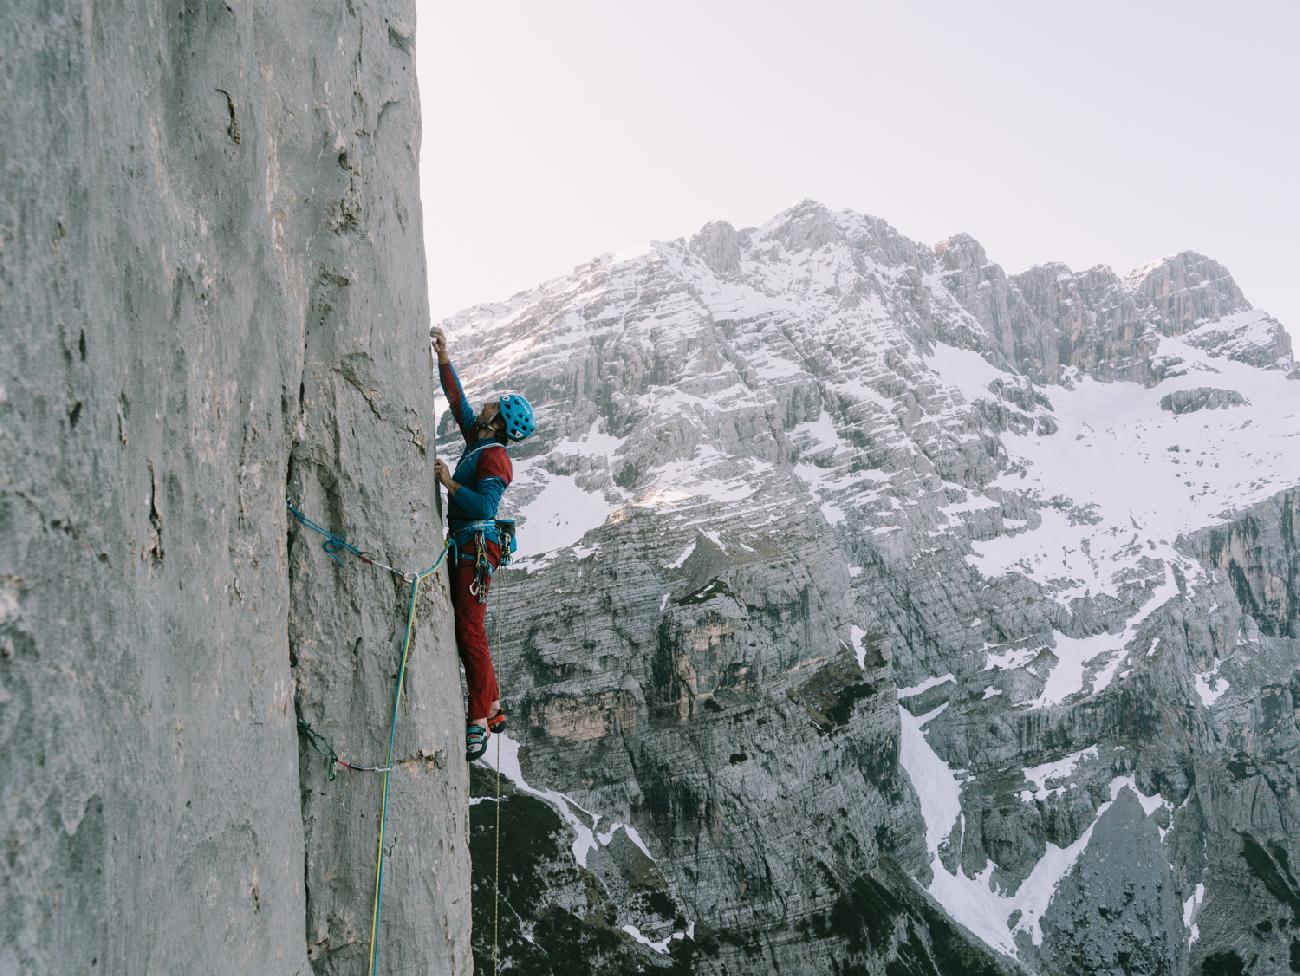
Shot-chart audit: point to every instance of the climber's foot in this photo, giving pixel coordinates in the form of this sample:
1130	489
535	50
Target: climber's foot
497	722
475	742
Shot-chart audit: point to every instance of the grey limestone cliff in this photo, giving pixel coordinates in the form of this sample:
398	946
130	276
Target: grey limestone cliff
213	296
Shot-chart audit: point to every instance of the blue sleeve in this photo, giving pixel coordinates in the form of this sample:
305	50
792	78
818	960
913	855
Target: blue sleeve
481	501
460	408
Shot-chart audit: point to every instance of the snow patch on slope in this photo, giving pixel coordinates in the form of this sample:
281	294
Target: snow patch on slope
924	686
933	779
1191	909
559	515
503	756
1053	772
856	634
1074	654
1126	478
974	901
1210	686
964	369
593	443
707	474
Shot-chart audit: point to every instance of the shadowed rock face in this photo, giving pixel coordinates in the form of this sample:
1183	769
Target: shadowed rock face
1260	554
875	594
213	296
1201	398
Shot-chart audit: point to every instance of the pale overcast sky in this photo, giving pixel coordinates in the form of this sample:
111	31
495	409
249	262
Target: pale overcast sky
1090	133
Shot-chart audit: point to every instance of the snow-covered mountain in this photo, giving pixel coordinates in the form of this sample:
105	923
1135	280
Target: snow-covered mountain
864	588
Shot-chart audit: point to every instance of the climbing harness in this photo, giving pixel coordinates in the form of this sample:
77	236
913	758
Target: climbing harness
333	545
500	531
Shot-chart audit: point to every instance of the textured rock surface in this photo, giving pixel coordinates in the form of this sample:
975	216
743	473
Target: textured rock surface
1115	912
1201	398
858	577
1049	318
213	294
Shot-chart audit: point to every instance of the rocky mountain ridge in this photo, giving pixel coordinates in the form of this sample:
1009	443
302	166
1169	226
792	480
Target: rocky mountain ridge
865	588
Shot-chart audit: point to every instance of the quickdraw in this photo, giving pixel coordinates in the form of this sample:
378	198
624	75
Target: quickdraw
335	544
482	568
501	531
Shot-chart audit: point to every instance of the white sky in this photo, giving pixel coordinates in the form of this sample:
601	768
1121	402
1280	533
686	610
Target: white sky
1091	133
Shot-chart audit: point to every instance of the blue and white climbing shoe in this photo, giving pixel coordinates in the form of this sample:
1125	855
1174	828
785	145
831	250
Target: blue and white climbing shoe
476	738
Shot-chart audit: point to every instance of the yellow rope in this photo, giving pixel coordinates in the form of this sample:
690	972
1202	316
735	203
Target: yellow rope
496	871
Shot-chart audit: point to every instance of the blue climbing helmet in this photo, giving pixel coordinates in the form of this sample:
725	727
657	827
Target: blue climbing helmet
517	413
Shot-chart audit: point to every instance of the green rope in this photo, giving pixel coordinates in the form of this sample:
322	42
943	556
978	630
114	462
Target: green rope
376	915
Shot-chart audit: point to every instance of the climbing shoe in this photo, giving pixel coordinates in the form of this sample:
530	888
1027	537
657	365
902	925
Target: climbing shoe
497	722
475	742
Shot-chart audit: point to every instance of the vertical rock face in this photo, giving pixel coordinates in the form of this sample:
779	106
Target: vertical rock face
875	614
984	289
213	296
1260	554
1050	319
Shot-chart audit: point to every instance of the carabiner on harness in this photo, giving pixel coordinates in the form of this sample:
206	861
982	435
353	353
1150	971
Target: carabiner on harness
482	568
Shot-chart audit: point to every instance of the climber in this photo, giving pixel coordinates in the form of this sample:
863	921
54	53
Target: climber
474	491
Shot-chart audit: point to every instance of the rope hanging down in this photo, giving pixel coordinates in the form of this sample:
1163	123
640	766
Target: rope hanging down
392	733
496	871
333	545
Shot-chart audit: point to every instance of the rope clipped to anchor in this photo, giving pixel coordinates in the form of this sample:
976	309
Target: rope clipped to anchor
325	748
333	545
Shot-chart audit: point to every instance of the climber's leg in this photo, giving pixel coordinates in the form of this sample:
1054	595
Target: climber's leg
472	643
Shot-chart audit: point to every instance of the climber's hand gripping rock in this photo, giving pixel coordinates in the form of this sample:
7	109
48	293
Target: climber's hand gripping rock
439	339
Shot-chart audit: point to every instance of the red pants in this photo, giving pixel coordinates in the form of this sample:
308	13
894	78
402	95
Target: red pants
471	636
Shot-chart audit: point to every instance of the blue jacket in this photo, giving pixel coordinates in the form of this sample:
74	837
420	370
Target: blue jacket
484	471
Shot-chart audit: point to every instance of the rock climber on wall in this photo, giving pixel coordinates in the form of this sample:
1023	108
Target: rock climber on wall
474	491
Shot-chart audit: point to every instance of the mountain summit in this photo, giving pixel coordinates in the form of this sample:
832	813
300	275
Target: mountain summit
880	609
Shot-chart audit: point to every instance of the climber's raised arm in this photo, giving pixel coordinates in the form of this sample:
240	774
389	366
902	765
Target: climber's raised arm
460	408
